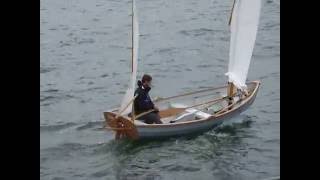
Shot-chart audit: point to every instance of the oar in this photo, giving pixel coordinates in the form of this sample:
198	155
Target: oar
173	111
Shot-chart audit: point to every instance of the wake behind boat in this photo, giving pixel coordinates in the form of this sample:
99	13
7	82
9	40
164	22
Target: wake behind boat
200	110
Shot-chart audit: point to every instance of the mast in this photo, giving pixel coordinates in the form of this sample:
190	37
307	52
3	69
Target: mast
132	38
234	1
126	104
132	54
231	87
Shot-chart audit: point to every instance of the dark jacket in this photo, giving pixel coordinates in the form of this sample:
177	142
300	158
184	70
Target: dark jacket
143	101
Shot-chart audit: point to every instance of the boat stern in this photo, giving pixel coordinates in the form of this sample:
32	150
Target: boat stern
122	126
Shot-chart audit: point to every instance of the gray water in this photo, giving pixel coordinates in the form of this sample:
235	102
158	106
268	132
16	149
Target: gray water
184	44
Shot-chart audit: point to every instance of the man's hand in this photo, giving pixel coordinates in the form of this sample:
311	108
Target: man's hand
156	108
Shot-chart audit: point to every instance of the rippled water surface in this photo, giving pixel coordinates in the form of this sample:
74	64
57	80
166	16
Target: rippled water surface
184	45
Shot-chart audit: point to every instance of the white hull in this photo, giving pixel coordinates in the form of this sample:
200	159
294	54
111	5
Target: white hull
167	130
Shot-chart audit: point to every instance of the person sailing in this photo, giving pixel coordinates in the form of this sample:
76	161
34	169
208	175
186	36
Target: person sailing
143	102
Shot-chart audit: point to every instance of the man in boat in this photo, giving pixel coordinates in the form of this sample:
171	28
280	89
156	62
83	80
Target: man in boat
143	102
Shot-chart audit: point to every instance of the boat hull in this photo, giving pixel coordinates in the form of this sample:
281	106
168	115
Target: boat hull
156	131
169	130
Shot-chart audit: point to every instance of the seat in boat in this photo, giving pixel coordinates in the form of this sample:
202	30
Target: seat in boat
188	114
164	120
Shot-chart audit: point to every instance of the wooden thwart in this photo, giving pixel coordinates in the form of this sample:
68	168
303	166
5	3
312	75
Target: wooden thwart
170	112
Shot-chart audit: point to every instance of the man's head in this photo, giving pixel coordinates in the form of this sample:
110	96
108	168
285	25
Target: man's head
146	80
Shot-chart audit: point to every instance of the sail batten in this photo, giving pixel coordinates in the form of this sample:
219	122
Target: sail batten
243	27
129	95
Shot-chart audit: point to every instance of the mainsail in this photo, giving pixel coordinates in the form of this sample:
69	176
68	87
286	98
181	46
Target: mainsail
244	27
134	64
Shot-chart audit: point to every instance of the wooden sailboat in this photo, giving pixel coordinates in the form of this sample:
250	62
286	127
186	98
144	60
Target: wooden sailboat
201	110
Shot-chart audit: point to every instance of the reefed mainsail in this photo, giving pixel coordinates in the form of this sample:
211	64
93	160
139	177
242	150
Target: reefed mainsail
134	64
244	27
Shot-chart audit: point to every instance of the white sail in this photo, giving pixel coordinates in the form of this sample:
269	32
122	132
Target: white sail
244	27
134	65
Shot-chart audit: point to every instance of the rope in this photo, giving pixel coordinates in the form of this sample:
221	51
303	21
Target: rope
186	94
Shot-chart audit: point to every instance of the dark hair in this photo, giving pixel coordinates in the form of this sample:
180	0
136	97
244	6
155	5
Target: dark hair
139	83
146	77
